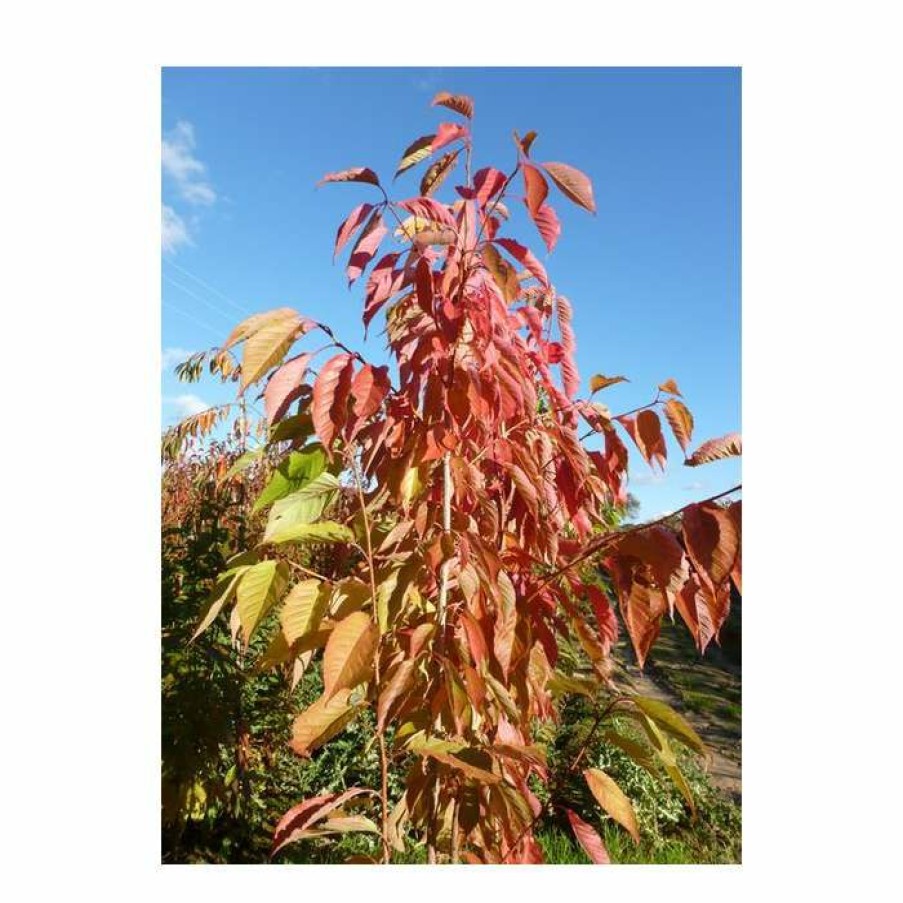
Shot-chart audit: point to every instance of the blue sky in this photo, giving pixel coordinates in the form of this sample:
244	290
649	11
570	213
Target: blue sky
654	277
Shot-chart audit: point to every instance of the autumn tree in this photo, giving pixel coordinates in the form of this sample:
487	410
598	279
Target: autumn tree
475	520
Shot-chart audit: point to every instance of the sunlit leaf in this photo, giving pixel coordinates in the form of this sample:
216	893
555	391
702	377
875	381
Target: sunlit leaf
612	799
348	659
573	184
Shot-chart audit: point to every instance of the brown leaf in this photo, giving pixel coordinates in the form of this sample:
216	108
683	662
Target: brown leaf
356	174
670	387
437	173
599	382
460	103
729	446
573	184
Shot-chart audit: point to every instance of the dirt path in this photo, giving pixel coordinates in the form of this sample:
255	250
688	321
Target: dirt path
720	737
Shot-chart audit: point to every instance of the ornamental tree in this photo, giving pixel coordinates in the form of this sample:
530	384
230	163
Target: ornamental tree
475	536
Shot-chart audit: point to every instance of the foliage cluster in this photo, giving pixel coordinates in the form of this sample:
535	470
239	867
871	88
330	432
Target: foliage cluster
435	535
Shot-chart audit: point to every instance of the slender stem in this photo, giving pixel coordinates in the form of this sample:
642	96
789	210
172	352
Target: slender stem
381	740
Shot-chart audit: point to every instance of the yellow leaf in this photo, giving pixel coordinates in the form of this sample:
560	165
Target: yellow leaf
321	722
303	609
268	343
612	799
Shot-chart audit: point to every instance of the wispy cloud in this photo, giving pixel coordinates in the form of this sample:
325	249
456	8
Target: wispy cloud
174	231
695	486
187	172
187	181
186	405
172	356
648	478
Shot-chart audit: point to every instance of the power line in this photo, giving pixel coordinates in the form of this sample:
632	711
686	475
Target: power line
197	297
207	326
240	308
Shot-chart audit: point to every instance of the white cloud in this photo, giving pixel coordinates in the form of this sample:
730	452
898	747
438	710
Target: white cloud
172	356
174	232
695	486
187	172
186	405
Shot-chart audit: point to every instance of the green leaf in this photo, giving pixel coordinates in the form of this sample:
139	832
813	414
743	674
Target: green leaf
222	593
243	462
299	426
324	531
303	506
664	716
259	588
292	474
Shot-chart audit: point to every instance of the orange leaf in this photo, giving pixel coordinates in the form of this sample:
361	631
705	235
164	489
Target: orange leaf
535	187
348	658
670	387
612	799
680	420
329	398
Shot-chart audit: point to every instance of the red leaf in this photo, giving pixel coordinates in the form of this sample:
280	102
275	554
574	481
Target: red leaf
589	838
460	103
356	174
430	209
423	279
524	256
646	431
526	142
354	221
712	541
283	387
368	390
535	187
573	184
549	226
366	246
446	133
330	394
488	183
307	813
